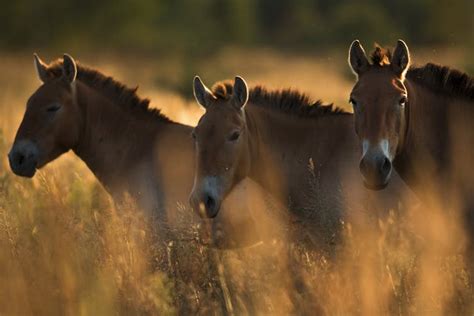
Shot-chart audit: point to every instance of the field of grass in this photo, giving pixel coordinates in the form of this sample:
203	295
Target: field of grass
65	248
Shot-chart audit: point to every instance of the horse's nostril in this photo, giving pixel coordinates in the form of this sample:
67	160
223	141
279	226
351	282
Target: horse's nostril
386	166
210	202
20	159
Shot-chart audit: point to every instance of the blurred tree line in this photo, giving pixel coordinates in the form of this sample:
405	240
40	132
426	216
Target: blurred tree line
201	26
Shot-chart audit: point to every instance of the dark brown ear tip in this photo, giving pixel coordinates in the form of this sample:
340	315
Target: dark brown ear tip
402	43
68	57
196	78
37	58
239	78
355	42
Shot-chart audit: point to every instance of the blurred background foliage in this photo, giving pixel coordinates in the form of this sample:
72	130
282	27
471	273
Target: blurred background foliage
199	27
186	33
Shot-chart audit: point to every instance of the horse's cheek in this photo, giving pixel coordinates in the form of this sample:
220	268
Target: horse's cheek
67	132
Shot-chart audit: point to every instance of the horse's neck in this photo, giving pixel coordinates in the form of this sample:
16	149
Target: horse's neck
109	138
426	151
278	131
285	148
151	159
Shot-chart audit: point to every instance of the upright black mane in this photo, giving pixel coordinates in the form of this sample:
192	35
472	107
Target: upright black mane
286	100
443	80
120	94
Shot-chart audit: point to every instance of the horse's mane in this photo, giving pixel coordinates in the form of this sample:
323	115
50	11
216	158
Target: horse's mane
285	100
120	94
441	79
444	79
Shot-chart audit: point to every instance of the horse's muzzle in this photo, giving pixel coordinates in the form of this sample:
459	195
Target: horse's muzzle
23	158
376	169
205	205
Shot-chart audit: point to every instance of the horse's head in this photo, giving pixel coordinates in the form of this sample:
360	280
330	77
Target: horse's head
50	125
222	153
379	98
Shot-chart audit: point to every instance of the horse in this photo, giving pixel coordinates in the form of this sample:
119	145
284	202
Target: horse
129	147
417	120
133	150
295	148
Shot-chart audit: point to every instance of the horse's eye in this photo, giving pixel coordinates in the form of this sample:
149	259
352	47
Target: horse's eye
53	108
403	101
235	135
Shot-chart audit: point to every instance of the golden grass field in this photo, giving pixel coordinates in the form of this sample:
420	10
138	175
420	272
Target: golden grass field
65	249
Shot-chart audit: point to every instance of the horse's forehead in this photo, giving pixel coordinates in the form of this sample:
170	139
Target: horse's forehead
378	81
47	92
222	116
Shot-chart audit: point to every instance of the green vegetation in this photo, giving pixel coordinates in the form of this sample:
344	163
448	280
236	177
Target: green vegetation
199	27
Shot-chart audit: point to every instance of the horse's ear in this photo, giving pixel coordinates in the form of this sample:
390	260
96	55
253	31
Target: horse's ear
201	93
357	58
240	92
69	68
401	59
41	69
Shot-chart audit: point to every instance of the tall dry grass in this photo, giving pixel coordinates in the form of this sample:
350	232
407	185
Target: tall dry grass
65	248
